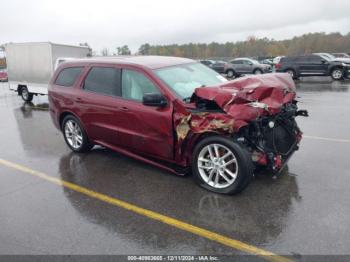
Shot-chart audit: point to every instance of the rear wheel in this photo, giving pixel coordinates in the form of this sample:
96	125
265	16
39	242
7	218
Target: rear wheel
75	135
337	74
221	165
26	96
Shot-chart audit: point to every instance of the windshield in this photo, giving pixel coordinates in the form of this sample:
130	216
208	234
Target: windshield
331	56
326	56
184	79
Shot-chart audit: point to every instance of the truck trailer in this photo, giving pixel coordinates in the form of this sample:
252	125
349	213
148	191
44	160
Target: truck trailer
31	65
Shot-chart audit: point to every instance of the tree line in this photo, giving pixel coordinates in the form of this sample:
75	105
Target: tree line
251	47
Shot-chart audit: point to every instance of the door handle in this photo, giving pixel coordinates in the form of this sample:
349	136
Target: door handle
78	100
124	108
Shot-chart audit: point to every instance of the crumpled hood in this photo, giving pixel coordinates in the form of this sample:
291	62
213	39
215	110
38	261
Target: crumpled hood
247	98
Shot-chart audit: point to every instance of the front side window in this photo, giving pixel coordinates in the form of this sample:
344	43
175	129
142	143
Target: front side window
300	59
103	80
68	76
250	62
206	62
135	85
184	79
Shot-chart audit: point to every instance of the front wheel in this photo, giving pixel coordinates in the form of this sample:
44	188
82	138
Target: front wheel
230	73
292	73
337	74
221	165
258	72
26	96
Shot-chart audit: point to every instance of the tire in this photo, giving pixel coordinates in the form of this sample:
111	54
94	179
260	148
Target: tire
211	176
24	93
230	73
337	73
75	135
292	73
257	72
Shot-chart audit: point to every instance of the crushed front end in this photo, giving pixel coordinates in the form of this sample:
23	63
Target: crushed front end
257	111
272	139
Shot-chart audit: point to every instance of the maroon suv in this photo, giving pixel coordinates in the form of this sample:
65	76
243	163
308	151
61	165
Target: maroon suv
177	114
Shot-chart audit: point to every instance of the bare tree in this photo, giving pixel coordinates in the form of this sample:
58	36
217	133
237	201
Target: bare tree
105	52
88	46
123	50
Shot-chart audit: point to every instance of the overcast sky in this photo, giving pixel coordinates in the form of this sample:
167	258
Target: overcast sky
111	23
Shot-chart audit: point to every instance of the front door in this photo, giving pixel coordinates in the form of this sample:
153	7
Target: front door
143	129
314	65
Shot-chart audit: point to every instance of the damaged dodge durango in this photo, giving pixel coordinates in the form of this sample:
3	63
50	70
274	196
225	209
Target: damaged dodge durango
179	115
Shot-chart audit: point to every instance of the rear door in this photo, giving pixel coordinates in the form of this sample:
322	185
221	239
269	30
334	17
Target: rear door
98	103
238	65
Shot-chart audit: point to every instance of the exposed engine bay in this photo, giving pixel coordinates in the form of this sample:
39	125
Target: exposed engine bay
273	139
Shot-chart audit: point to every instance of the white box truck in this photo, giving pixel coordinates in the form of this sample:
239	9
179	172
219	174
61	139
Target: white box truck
31	65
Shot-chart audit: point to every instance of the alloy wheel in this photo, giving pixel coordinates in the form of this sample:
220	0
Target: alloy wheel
73	134
291	73
337	74
217	165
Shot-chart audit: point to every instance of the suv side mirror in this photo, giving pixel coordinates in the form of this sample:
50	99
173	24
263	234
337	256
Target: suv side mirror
323	61
154	99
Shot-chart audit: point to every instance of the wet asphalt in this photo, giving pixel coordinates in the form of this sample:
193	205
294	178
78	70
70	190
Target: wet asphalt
304	211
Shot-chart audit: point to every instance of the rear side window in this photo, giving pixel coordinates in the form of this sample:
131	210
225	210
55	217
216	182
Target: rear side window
292	59
237	62
103	80
314	59
301	59
68	76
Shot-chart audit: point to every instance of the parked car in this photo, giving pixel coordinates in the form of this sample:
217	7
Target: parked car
313	65
3	75
341	55
277	59
330	57
221	67
244	66
267	61
177	114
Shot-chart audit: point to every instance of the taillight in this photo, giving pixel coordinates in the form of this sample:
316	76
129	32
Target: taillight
278	66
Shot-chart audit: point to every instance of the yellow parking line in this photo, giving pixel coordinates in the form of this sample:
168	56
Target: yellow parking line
236	244
40	108
328	139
